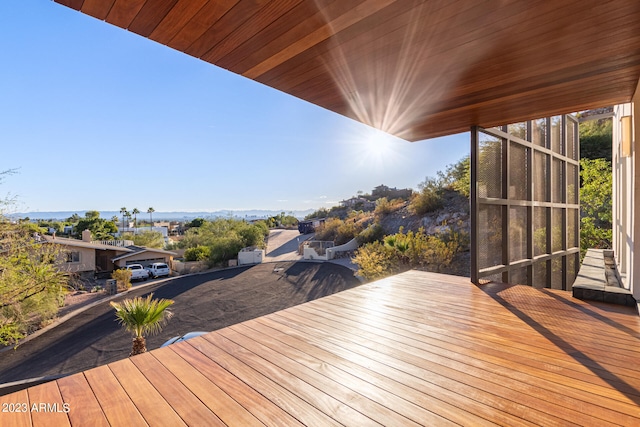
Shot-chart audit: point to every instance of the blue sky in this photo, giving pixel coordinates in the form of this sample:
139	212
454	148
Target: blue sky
95	117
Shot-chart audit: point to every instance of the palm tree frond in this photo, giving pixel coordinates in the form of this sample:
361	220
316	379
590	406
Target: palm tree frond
143	316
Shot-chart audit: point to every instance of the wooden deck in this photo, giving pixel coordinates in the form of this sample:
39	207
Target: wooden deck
414	349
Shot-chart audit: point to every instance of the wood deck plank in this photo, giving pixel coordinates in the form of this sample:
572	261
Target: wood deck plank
474	337
46	405
561	399
327	400
181	399
14	409
502	394
441	402
114	401
547	379
392	402
224	406
417	348
145	397
262	408
84	408
290	401
466	398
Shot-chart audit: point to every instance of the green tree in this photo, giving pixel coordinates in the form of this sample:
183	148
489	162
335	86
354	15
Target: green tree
148	239
595	204
32	288
196	222
101	229
595	139
457	176
198	253
142	316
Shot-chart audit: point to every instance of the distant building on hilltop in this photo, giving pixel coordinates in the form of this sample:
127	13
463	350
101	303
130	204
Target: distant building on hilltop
391	193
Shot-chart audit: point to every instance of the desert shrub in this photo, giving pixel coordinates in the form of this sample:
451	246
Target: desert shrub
403	251
428	199
329	230
375	261
225	248
199	253
384	207
320	213
123	279
370	234
341	231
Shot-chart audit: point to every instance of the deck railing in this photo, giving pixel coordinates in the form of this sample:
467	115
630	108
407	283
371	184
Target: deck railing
116	243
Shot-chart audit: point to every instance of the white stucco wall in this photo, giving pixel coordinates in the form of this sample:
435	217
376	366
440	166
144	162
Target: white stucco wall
626	195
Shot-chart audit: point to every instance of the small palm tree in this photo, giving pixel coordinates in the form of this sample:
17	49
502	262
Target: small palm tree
150	211
123	211
142	316
135	213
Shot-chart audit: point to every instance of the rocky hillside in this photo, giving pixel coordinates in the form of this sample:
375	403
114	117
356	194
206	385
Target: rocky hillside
453	216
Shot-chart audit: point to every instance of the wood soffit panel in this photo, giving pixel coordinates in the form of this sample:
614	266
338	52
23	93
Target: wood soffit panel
415	69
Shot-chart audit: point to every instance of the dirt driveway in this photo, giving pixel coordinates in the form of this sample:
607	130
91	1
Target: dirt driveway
202	303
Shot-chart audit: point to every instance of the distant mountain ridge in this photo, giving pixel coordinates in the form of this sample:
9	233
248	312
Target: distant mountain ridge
166	216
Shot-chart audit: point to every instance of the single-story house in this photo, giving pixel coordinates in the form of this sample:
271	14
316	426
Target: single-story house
89	257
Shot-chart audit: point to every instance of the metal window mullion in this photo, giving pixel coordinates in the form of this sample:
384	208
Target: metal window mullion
473	163
506	182
530	228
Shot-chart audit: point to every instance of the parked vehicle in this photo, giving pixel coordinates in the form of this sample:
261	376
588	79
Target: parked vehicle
158	269
184	337
138	272
310	225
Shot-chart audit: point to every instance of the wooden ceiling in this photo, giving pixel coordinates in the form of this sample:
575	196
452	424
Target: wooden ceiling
415	69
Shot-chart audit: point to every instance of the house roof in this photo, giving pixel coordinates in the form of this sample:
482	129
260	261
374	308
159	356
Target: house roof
415	69
139	249
82	244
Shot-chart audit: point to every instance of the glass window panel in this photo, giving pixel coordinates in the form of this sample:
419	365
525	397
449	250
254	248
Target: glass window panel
557	181
489	236
572	228
539	132
518	168
540	274
493	278
571	139
517	233
540	177
490	166
556	134
540	231
518	276
572	183
518	130
556	229
571	270
556	273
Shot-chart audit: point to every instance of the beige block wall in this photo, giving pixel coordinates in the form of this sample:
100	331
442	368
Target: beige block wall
87	260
